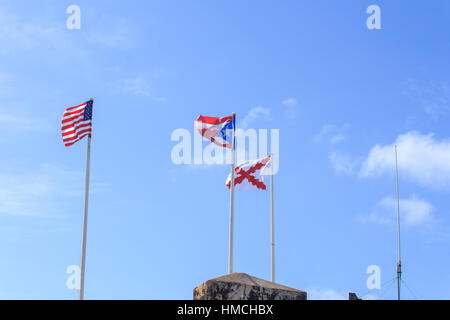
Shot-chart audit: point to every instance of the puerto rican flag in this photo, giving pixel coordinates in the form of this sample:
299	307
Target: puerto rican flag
218	130
249	175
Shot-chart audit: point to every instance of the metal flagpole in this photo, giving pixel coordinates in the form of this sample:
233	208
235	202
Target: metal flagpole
399	264
85	219
272	224
230	253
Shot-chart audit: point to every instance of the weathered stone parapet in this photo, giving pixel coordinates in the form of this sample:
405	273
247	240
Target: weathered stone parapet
241	286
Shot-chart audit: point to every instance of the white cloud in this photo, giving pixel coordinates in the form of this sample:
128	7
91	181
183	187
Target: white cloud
414	212
421	158
41	193
13	114
370	296
337	138
50	39
332	133
41	39
112	32
14	122
330	294
136	86
119	38
139	87
326	294
291	107
7	120
5	83
343	163
290	102
434	98
375	217
254	114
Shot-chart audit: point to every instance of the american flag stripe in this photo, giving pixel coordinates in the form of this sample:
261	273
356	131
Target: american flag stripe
69	119
76	123
80	105
72	130
73	112
73	142
71	124
79	133
76	136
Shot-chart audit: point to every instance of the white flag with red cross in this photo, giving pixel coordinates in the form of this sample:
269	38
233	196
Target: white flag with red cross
249	175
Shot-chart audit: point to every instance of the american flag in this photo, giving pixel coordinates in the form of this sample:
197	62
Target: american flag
77	123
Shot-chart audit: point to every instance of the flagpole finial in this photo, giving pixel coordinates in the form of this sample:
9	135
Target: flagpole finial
91	99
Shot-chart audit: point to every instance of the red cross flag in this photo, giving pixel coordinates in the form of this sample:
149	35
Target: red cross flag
249	175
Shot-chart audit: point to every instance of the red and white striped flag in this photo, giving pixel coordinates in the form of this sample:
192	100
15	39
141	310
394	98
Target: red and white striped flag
218	130
77	123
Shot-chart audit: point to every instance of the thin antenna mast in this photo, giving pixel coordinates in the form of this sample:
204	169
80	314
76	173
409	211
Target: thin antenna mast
399	264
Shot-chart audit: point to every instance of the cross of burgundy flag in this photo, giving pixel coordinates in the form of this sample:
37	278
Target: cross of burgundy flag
77	123
249	175
217	130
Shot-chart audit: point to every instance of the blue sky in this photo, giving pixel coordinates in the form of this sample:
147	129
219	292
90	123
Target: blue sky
340	94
